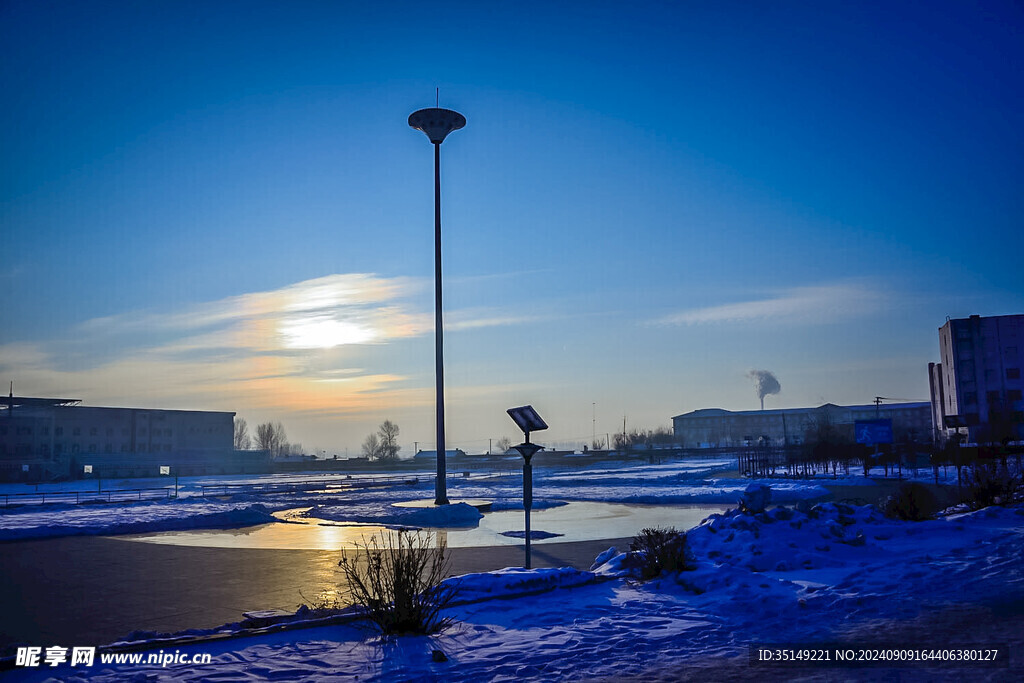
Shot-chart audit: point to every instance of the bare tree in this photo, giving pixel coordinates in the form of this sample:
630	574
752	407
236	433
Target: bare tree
371	447
503	444
280	440
270	437
243	441
388	432
265	437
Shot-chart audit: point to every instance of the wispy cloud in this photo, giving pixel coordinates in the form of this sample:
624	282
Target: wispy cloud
282	350
807	305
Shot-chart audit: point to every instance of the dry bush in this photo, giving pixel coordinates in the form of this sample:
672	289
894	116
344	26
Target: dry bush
398	579
912	502
657	550
988	484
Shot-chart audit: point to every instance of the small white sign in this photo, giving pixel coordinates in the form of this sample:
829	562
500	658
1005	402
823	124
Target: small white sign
88	469
165	469
24	468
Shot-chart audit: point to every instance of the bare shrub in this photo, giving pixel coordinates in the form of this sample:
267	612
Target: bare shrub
988	484
657	550
399	579
912	501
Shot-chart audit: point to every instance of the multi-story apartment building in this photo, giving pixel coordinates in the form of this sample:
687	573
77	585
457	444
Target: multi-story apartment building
718	428
49	437
976	388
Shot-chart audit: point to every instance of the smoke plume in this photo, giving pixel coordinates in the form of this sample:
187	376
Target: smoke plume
764	383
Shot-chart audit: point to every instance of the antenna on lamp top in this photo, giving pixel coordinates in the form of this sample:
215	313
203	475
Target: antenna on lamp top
437	97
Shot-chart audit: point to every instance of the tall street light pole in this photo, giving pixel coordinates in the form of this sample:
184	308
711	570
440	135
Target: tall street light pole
436	124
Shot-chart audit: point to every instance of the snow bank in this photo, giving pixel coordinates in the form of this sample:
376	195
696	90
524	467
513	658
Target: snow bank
138	518
454	515
516	582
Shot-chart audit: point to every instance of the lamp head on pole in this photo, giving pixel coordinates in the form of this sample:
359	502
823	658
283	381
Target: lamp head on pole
436	123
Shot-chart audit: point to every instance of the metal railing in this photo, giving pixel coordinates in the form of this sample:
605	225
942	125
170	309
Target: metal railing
305	485
78	497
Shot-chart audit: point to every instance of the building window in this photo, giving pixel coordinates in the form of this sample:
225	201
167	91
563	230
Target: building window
125	432
1012	373
44	431
77	431
990	375
110	448
110	431
75	448
57	448
92	431
92	448
992	397
124	448
167	448
1013	394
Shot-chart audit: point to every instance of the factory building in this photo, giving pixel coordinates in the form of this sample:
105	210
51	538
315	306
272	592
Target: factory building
718	428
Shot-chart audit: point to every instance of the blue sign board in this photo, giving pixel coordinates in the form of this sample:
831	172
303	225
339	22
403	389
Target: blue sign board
873	431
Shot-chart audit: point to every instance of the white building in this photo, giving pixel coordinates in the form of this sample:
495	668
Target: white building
718	428
976	388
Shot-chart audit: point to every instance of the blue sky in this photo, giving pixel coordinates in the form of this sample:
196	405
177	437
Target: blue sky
220	206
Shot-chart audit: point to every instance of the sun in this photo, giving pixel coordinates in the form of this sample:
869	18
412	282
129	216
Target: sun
322	332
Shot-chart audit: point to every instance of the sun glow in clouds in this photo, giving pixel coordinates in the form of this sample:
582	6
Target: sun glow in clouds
322	332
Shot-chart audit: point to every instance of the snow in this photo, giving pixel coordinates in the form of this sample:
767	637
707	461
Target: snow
679	482
534	535
804	574
455	514
799	572
71	520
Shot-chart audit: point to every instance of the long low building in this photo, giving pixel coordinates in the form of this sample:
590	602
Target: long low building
46	438
718	428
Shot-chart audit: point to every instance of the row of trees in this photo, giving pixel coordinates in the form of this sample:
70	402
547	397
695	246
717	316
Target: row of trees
269	436
639	437
383	445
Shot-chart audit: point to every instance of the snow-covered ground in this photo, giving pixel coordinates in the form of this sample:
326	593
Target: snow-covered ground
802	575
674	483
680	482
